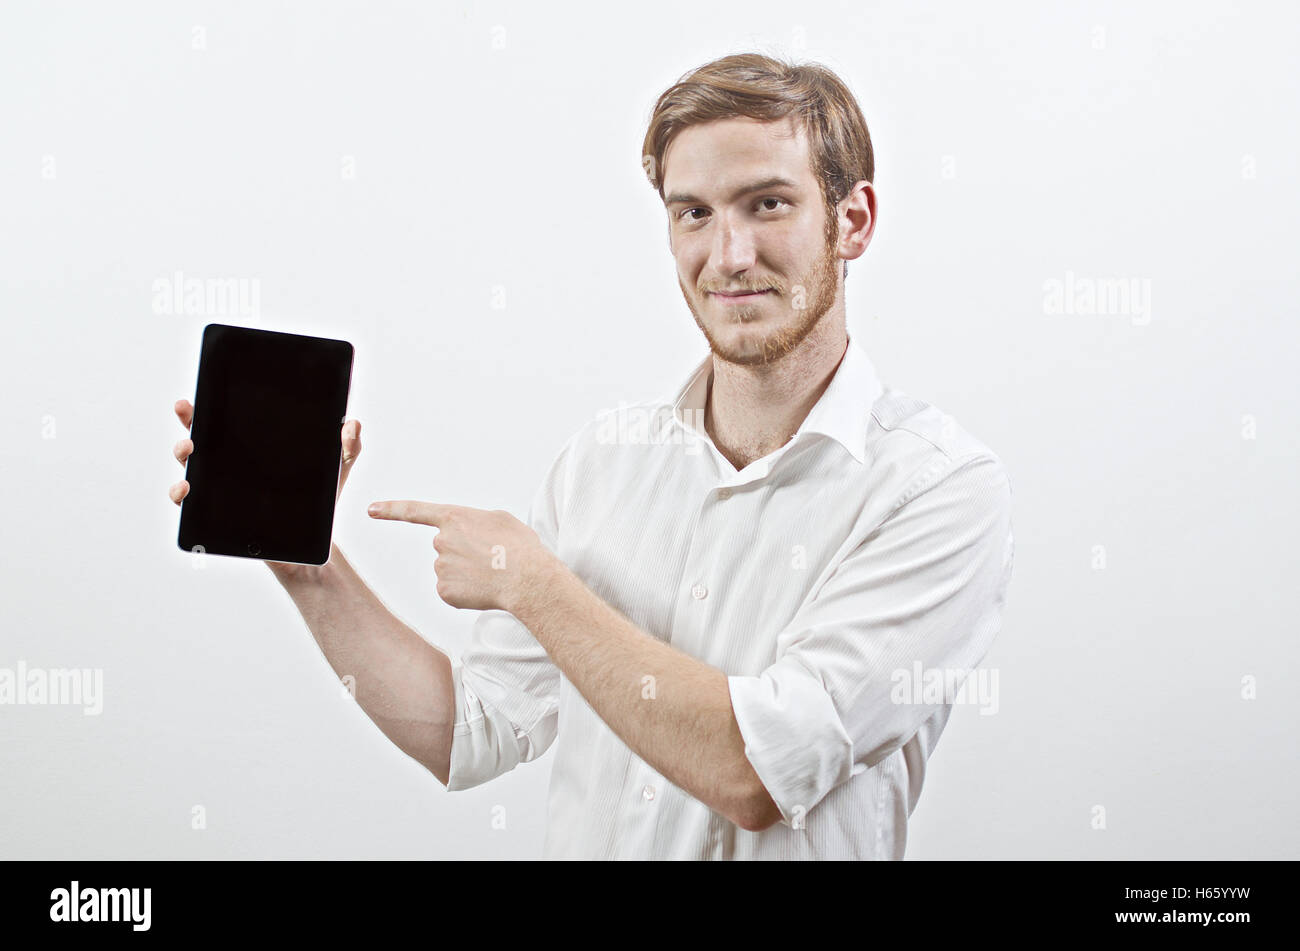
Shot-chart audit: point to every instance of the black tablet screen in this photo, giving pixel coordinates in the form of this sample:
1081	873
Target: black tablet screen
268	409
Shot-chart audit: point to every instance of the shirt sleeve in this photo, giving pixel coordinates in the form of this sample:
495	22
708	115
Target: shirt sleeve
507	688
926	587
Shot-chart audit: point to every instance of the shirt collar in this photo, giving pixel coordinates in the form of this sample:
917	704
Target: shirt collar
842	413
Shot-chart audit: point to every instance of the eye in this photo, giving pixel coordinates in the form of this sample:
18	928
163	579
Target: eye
764	202
688	211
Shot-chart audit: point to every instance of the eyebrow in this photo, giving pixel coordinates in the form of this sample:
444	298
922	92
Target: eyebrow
775	181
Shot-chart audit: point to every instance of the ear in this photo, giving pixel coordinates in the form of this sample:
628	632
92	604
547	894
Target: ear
857	213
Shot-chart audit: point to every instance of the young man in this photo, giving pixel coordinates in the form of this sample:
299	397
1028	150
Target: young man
715	594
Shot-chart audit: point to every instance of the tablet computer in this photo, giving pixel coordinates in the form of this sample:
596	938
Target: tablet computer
264	473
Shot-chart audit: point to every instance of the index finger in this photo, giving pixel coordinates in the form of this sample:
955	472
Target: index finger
408	510
185	410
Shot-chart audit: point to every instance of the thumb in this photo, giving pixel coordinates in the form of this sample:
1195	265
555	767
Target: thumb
351	439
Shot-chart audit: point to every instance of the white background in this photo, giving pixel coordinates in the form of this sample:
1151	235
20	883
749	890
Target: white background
497	146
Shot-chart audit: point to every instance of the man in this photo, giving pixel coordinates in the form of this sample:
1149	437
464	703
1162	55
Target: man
710	605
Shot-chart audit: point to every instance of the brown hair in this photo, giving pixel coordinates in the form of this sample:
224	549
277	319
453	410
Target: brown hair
761	87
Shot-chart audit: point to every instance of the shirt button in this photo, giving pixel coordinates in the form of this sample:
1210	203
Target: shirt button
724	493
647	792
699	592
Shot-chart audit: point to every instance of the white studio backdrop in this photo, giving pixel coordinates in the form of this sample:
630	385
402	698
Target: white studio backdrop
456	188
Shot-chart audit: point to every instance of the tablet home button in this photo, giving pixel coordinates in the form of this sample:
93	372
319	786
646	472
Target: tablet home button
254	548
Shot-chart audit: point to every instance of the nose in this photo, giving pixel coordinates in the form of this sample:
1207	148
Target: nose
733	247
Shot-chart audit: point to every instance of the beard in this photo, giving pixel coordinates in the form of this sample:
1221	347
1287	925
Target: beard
817	295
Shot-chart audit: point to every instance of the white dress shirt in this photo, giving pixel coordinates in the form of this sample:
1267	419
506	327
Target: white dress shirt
877	540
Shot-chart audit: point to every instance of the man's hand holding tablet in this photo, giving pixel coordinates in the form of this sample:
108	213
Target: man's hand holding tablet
349	436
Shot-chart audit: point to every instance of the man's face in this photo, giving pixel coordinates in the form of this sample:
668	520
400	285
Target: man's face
746	213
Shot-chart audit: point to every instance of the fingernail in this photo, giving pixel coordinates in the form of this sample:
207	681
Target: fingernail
374	508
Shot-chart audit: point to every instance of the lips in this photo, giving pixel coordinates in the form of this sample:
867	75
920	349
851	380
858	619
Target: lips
741	295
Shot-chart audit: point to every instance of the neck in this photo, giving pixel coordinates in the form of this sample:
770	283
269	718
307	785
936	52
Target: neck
752	411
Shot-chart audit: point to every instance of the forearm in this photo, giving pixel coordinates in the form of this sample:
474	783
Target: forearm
672	710
403	683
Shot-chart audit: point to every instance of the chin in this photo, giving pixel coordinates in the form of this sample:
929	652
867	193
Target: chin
739	344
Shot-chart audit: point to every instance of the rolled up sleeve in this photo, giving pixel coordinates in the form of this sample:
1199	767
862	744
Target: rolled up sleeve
927	586
493	736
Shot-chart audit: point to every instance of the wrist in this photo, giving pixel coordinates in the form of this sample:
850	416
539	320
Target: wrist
294	576
536	581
